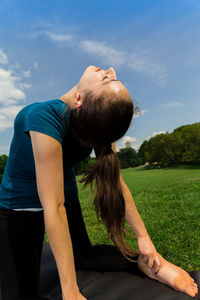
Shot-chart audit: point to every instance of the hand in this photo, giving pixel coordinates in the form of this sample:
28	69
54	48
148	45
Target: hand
79	296
148	252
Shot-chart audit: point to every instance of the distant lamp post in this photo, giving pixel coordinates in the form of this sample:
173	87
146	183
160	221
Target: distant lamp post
128	144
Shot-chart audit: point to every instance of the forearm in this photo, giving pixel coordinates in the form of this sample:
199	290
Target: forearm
60	241
145	245
132	215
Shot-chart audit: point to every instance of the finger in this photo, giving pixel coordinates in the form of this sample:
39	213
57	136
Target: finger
151	261
156	264
146	258
157	261
155	267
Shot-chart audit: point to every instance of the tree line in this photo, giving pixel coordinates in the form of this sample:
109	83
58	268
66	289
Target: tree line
182	146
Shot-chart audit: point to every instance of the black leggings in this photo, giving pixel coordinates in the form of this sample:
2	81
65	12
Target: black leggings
21	239
88	257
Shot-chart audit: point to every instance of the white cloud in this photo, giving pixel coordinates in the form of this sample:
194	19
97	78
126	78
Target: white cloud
173	104
140	60
109	54
36	65
27	73
16	66
93	153
122	142
157	133
53	36
9	92
143	62
139	113
59	37
3	57
7	116
10	111
25	86
137	145
128	139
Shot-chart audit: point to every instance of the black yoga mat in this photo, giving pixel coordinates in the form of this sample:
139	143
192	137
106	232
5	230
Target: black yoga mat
108	285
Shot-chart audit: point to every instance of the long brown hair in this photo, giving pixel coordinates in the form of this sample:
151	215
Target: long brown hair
100	121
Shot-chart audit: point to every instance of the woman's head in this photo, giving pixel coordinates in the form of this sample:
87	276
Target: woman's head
105	111
99	82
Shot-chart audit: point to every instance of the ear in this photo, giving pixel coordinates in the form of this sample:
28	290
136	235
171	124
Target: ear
78	100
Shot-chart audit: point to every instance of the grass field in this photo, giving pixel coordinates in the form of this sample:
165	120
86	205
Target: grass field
168	201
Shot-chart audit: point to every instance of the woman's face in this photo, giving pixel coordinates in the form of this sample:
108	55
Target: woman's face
99	80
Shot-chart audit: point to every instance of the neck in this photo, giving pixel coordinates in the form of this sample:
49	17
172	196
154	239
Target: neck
68	98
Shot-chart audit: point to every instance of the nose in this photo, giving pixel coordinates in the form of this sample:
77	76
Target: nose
91	68
111	73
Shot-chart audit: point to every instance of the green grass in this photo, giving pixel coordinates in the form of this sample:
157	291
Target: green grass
168	201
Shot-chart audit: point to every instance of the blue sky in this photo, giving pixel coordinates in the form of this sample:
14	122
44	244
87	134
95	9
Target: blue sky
154	47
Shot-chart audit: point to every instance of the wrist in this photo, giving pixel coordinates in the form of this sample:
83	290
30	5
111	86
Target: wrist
143	234
70	294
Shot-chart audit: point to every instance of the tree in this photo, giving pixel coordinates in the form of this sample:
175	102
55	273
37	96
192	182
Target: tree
142	153
182	146
84	165
160	149
127	157
190	137
3	161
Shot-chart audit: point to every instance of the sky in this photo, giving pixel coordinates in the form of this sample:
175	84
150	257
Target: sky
154	47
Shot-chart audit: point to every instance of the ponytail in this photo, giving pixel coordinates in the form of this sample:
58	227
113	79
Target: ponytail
101	120
109	201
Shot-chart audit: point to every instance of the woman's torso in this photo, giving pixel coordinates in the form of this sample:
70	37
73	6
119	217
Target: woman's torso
18	189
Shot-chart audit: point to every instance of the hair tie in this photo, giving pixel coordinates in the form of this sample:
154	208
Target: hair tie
104	149
107	149
108	146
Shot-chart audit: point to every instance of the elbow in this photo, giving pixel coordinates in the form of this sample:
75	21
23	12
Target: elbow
54	208
54	215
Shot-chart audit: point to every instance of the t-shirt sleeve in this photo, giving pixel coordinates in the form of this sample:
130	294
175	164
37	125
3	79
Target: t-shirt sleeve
45	119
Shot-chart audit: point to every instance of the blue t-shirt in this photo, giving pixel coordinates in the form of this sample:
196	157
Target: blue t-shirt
18	187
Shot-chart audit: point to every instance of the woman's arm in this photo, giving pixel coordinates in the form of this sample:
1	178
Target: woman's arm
50	184
132	215
133	218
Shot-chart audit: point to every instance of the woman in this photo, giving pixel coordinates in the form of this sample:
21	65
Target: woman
39	188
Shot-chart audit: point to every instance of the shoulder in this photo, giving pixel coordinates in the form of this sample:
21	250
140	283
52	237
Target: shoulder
47	111
46	117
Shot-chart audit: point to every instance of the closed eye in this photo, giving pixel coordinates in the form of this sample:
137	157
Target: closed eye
111	80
